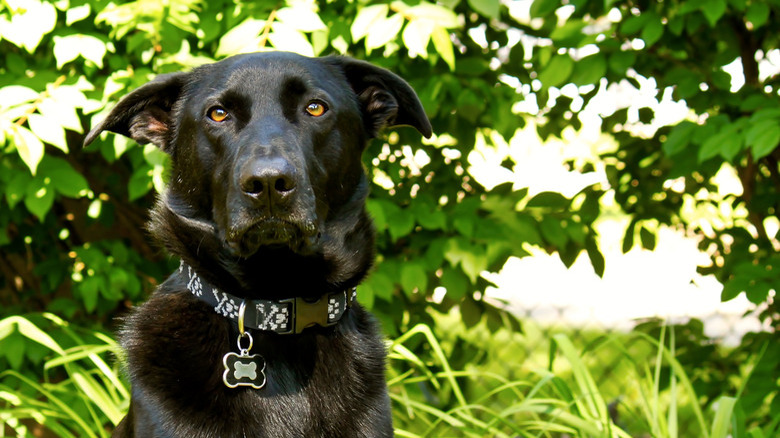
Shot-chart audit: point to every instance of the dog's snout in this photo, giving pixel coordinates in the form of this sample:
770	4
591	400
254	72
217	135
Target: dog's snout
273	178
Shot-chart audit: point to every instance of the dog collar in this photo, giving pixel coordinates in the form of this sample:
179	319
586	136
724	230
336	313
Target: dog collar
285	317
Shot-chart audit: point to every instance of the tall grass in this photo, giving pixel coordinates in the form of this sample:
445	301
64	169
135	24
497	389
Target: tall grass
431	399
81	394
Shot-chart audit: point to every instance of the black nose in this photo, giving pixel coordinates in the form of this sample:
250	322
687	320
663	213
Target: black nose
271	178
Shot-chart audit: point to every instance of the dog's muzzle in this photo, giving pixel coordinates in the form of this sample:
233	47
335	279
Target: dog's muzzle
302	239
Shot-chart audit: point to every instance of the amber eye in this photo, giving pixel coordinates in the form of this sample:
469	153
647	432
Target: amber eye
316	109
218	114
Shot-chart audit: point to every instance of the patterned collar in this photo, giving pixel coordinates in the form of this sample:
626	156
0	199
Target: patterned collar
285	317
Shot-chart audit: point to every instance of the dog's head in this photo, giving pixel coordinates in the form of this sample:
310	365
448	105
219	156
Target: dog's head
266	148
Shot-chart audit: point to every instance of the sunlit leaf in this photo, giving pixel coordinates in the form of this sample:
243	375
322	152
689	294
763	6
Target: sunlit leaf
384	31
29	147
443	45
68	48
77	13
287	38
437	14
416	36
14	95
300	17
241	39
367	19
29	25
48	131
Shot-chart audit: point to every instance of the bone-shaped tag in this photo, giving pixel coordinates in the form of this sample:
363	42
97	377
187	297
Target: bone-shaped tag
243	370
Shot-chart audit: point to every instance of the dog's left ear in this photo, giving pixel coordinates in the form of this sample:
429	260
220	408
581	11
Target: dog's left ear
387	100
145	114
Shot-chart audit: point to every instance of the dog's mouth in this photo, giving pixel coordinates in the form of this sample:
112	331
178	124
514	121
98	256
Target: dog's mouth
273	233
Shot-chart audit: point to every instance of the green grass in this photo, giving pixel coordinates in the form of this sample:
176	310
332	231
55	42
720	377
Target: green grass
445	381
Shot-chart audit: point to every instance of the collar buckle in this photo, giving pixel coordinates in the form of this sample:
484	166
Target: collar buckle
305	314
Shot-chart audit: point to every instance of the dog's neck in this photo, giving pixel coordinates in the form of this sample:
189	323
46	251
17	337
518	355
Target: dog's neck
197	243
286	316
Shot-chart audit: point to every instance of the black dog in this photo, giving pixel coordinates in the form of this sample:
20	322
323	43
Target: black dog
258	334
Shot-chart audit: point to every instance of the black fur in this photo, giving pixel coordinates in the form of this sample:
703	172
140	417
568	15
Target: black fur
269	203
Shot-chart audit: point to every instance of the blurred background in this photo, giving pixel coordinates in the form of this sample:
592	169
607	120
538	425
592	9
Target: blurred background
587	247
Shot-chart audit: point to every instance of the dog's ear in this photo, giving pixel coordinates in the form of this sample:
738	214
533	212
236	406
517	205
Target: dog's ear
387	100
145	114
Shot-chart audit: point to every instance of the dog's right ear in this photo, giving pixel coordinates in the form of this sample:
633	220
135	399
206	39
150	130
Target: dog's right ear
145	114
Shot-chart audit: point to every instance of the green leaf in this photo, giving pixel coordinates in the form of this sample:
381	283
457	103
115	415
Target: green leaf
140	182
471	259
589	70
381	284
470	312
621	61
487	8
596	257
543	8
557	71
429	215
678	138
757	14
17	187
400	222
763	138
569	34
366	19
456	283
377	213
39	197
647	238
465	224
13	350
713	10
89	290
653	30
727	143
553	200
64	179
413	277
635	23
553	232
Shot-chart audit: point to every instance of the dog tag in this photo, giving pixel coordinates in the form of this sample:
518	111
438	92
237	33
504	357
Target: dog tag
243	369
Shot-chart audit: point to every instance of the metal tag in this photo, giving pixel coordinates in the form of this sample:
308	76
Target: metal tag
244	370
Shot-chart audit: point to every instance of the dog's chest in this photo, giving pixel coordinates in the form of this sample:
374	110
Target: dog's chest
316	385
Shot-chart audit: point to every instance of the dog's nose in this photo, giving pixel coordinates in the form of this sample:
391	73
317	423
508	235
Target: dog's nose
273	178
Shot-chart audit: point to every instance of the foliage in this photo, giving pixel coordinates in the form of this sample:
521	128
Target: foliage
72	237
81	393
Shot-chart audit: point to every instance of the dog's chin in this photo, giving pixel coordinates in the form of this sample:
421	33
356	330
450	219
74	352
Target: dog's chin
274	235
